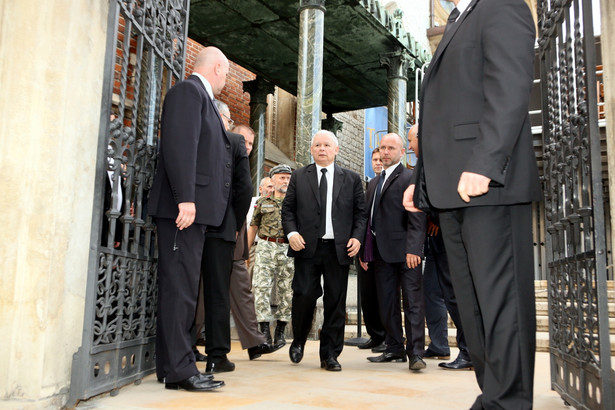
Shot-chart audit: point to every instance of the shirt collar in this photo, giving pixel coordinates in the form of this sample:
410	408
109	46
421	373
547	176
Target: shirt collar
462	6
329	168
210	90
390	170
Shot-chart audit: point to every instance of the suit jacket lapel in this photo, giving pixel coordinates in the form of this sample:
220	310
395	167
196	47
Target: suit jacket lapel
390	179
338	181
371	189
313	181
446	39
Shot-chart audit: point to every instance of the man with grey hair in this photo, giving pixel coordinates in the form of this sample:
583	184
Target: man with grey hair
225	114
324	219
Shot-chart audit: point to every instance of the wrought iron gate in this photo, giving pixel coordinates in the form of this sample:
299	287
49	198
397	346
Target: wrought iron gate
145	55
574	206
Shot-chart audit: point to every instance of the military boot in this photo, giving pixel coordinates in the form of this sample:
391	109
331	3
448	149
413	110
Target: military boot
265	330
279	333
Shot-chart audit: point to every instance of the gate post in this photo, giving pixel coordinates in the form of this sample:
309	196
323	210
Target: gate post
145	55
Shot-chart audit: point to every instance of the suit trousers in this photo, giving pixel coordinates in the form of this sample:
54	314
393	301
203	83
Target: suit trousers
307	290
436	316
489	249
437	261
242	306
369	303
216	270
390	278
179	262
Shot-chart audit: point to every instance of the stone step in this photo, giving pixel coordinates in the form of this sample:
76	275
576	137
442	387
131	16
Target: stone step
542	308
542	338
542	294
542	322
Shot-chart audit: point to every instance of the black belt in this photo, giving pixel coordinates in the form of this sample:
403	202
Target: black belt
321	240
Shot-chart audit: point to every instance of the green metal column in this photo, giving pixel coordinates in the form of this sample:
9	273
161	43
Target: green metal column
309	77
398	63
258	89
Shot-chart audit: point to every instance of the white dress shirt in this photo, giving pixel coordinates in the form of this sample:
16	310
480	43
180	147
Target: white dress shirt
462	6
330	171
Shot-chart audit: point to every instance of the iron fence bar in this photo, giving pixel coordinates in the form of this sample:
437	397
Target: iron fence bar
82	359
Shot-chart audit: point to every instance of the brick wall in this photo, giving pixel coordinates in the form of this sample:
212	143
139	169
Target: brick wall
232	94
350	137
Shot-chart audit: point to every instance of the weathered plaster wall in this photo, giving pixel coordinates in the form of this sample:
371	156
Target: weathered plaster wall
51	69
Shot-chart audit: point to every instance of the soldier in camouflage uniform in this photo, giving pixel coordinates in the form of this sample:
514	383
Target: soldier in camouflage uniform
271	264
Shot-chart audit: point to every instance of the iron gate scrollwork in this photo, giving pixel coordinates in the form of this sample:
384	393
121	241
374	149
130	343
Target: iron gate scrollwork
145	55
574	206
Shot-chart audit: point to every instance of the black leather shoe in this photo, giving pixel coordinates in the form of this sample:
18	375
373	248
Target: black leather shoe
388	357
198	382
381	348
457	364
296	352
206	376
331	364
200	357
219	366
370	344
255	352
416	362
430	354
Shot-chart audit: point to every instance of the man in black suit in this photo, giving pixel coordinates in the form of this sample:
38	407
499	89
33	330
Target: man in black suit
190	192
477	166
323	216
396	237
217	259
369	296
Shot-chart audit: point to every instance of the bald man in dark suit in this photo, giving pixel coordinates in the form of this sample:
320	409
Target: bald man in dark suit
191	191
396	237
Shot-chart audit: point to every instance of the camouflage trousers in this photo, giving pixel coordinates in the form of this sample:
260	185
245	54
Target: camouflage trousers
272	267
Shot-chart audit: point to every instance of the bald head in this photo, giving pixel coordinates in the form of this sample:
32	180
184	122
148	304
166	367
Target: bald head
266	187
413	139
391	149
212	64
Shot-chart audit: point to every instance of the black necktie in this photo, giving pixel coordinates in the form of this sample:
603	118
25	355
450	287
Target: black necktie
377	199
323	202
451	19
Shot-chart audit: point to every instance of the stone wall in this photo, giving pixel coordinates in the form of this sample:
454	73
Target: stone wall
351	139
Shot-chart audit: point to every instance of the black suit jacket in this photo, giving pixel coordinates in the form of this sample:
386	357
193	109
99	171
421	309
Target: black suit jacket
301	210
195	161
241	193
474	108
394	225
